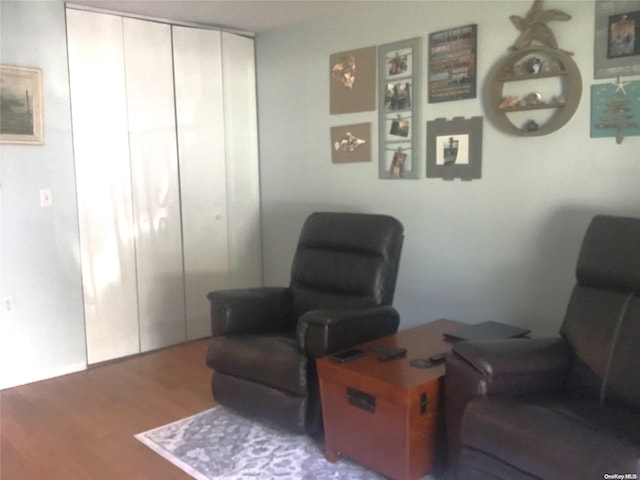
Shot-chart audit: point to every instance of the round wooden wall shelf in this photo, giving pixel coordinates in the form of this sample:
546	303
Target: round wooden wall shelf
524	94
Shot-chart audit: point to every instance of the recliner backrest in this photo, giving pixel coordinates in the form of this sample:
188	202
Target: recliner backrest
345	261
602	323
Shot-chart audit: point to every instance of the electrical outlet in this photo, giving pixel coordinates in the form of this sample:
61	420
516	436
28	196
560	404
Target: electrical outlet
8	304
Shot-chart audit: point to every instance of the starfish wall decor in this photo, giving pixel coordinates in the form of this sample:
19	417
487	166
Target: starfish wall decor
533	27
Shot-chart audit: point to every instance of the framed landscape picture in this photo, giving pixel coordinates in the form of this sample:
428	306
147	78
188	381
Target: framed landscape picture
20	105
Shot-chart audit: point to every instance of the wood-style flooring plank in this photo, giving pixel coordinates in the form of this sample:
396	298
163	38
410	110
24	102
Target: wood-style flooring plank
81	426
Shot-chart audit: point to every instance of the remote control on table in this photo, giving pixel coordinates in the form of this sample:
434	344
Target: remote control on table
438	357
390	354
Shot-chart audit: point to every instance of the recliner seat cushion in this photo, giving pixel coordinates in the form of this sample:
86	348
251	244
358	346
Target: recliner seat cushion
273	360
553	439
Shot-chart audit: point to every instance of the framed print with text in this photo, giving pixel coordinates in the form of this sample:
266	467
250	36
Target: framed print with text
452	64
399	67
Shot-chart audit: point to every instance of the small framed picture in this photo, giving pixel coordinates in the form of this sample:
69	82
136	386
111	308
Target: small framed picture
351	143
616	51
21	94
399	66
398	96
615	110
454	148
397	128
398	161
623	35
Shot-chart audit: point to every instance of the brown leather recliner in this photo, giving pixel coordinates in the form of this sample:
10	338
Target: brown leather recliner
565	407
265	340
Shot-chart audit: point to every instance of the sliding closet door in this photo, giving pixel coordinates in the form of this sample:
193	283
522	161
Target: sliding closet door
241	140
101	149
201	147
156	189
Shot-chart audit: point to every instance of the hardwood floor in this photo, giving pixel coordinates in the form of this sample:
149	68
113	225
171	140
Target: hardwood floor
81	426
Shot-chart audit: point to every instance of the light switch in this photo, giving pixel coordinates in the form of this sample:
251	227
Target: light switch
46	197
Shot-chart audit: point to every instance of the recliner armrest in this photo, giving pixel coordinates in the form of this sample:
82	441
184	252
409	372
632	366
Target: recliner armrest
250	310
511	367
322	332
517	366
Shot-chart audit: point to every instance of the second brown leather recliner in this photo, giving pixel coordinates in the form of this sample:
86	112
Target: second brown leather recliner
566	407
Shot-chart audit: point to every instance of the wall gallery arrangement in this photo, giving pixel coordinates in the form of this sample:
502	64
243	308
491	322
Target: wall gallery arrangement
534	90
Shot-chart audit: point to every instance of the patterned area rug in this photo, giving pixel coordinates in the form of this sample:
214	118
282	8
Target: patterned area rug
218	444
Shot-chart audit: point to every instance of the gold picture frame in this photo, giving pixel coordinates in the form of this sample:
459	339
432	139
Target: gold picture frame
21	105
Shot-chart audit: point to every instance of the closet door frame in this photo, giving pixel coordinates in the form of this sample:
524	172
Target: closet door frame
151	101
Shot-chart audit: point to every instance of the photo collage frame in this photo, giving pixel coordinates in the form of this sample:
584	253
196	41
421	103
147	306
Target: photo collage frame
399	94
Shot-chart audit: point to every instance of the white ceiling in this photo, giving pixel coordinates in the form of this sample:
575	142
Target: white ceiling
244	15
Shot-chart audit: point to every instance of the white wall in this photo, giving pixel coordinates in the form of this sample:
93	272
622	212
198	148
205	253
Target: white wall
499	248
39	246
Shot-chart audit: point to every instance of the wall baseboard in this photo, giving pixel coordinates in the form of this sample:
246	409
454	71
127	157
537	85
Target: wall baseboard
22	377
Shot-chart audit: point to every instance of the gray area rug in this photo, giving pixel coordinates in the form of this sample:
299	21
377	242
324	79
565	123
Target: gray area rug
218	444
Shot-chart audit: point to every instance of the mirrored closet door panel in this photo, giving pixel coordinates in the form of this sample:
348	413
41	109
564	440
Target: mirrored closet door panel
103	182
155	185
201	146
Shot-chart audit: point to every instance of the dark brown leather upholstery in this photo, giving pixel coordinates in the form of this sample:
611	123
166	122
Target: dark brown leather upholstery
265	340
564	407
